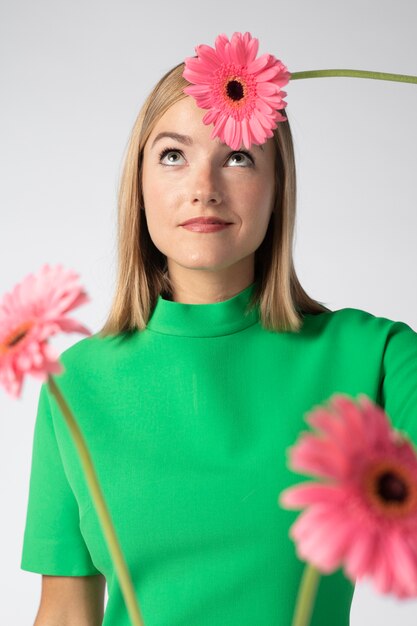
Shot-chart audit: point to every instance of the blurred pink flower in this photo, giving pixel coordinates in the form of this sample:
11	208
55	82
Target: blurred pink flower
29	315
241	92
364	517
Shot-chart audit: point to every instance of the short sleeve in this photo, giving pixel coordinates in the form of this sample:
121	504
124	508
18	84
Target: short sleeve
53	543
399	378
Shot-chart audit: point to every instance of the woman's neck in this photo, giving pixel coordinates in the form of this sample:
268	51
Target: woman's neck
206	286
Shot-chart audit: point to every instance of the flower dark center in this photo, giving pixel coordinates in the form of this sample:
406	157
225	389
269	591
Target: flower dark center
235	90
391	487
14	338
12	342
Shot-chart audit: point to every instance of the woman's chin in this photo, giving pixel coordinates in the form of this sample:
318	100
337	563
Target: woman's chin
201	262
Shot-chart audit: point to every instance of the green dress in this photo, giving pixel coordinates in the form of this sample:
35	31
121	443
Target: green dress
188	423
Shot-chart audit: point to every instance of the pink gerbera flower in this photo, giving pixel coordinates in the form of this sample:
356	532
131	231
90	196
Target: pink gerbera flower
32	312
243	94
364	516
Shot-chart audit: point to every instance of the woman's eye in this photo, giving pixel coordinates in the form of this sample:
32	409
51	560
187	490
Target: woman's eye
242	158
173	156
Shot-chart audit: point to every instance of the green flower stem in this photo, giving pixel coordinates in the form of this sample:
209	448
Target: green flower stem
101	508
401	78
306	596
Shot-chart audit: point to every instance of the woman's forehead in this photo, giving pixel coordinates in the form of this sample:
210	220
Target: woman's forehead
181	116
183	122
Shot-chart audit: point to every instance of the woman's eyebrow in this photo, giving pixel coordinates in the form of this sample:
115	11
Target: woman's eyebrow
185	139
177	136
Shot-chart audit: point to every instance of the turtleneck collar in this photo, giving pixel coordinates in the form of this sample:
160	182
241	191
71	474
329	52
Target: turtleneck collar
204	320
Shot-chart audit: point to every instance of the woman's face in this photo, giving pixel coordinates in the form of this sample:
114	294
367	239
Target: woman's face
188	175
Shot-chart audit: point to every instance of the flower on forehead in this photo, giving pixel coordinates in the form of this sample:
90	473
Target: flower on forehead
29	315
364	515
243	94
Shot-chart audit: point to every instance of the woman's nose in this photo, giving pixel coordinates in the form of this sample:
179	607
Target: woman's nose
205	187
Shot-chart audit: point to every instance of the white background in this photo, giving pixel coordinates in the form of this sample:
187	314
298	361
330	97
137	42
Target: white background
73	77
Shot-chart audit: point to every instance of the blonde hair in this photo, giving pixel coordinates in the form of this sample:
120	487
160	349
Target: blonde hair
142	269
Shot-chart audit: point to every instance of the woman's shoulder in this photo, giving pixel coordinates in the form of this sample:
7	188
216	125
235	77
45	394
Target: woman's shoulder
93	349
355	320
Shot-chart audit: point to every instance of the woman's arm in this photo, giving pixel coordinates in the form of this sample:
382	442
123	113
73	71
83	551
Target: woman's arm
71	601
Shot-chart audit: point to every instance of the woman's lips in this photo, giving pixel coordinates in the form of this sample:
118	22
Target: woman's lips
199	227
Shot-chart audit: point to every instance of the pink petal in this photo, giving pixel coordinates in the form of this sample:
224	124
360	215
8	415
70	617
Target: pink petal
229	131
220	122
23	362
264	121
312	493
237	137
352	415
314	541
259	64
227	53
197	90
326	547
193	63
201	78
246	134
238	50
382	576
257	131
219	127
280	117
329	423
403	562
15	388
267	90
318	457
360	557
209	56
65	301
264	106
246	37
268	74
220	44
377	424
68	325
252	47
275	101
308	519
205	101
282	80
210	116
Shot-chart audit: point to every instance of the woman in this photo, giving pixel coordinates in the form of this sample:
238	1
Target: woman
195	387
